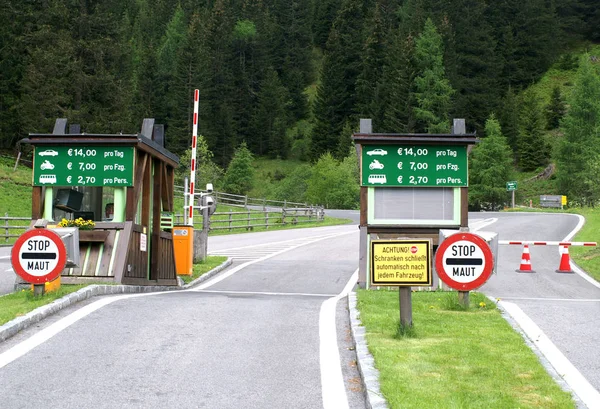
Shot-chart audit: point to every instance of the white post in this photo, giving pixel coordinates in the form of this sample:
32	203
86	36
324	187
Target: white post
193	164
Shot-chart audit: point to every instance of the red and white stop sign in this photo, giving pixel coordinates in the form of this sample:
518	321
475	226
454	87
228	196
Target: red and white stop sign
464	261
39	256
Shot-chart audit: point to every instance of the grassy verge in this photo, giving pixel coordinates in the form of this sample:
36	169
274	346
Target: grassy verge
20	303
588	258
204	267
453	358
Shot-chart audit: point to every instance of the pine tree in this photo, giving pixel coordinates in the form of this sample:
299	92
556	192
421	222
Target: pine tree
509	118
432	89
271	118
579	153
239	175
472	64
398	80
556	109
534	151
336	96
369	88
490	167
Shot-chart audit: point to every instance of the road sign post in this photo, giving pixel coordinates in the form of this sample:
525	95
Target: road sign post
464	261
39	256
511	187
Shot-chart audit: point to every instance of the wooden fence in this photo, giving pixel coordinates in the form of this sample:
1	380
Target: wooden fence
13	228
256	213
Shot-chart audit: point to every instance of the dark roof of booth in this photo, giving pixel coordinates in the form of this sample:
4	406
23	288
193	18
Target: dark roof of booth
393	138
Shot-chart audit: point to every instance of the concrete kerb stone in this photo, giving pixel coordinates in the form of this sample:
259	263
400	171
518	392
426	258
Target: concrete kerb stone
12	327
366	364
543	360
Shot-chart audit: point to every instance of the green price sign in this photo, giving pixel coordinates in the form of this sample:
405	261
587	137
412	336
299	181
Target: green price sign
414	166
511	185
83	166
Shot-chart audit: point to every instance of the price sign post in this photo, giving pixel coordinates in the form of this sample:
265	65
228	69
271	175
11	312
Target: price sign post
39	256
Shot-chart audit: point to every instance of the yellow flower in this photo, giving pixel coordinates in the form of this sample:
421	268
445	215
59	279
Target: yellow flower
482	304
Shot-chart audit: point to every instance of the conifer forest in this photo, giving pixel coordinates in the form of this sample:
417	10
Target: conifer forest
290	78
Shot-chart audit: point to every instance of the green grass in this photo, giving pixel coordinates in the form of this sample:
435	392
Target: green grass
20	303
204	267
453	359
588	258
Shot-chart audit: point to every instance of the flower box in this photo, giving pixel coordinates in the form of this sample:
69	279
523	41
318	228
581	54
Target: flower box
93	235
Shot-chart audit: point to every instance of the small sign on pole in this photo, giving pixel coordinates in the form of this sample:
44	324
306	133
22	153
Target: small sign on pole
511	187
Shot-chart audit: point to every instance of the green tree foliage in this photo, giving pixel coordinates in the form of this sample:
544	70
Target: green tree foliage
369	87
271	119
490	167
579	153
336	95
333	183
534	151
510	109
556	109
398	80
432	89
472	64
293	188
207	171
239	175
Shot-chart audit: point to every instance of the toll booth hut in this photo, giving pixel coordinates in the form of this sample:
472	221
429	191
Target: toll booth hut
124	184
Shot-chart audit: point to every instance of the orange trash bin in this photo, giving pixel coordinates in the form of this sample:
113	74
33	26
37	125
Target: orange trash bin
183	247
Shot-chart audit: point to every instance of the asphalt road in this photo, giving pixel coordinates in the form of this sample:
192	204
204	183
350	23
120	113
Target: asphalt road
252	336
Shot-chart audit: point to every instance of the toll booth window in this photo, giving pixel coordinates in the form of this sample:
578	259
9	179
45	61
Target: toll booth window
415	204
89	203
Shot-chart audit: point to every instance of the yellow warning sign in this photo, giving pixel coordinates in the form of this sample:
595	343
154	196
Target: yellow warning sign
401	262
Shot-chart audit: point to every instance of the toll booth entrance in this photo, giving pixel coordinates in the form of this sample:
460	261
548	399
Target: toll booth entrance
123	183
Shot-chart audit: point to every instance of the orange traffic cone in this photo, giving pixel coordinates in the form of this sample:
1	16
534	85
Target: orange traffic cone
565	263
525	266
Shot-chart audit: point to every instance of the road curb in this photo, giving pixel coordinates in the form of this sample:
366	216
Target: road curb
538	353
13	327
364	360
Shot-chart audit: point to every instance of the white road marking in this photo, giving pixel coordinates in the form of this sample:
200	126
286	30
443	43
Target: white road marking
586	392
222	276
480	224
264	293
44	335
549	299
576	269
332	380
258	251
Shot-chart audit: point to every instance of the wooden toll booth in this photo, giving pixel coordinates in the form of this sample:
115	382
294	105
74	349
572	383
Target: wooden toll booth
124	183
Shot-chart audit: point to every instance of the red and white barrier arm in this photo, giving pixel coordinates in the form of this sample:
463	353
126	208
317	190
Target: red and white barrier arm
549	243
